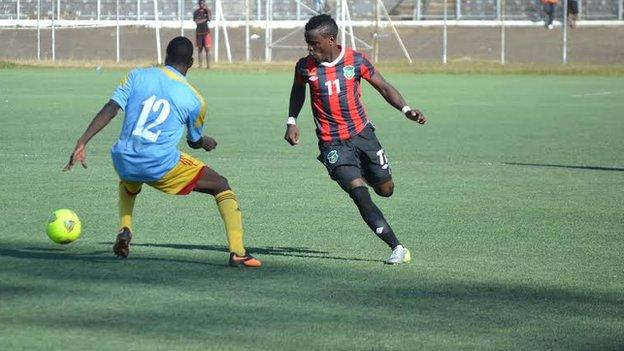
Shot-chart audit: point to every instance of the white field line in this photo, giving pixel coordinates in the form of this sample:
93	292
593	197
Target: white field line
599	93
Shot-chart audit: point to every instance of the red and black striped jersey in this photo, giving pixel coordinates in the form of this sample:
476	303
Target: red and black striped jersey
336	94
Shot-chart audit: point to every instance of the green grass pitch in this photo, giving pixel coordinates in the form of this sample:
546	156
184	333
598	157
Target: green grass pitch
510	198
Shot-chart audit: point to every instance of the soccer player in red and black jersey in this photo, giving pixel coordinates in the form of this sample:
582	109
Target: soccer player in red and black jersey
348	146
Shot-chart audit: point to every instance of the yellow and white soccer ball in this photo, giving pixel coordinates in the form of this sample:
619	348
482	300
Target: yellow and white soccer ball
63	226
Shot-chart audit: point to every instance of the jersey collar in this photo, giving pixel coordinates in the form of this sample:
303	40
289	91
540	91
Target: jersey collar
175	71
335	62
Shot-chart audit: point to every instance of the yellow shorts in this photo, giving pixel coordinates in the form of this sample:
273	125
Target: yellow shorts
180	180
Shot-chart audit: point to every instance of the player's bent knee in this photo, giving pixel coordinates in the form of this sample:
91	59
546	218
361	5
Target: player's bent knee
385	189
223	185
212	183
355	183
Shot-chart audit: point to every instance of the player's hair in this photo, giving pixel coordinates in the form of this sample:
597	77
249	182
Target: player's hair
179	51
324	24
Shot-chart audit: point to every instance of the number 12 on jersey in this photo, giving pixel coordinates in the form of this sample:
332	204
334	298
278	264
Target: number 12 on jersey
151	105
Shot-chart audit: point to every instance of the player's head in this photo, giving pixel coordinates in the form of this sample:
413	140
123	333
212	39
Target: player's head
201	3
180	53
320	35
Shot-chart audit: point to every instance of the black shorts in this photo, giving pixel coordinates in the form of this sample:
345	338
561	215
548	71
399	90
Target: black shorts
359	157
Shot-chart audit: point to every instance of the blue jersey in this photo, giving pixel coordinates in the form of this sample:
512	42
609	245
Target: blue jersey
159	104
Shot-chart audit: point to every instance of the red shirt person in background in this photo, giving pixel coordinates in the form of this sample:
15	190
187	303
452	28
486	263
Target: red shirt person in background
549	8
203	40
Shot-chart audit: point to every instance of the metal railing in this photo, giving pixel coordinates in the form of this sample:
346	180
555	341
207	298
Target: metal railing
295	10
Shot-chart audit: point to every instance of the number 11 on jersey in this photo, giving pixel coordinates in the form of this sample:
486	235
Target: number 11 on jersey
335	82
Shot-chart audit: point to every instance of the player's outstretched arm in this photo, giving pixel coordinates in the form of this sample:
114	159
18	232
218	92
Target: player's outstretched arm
394	98
101	120
297	98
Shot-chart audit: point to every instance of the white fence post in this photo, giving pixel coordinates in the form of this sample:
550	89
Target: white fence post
181	14
247	46
580	8
217	31
298	10
503	44
53	35
564	39
38	30
621	10
158	49
117	29
444	33
138	16
457	9
267	32
417	10
498	9
343	27
377	14
98	9
18	9
338	12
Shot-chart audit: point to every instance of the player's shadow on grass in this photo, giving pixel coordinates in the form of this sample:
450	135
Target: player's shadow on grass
99	256
594	168
263	251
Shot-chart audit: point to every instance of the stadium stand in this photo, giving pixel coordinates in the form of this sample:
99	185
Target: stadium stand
287	9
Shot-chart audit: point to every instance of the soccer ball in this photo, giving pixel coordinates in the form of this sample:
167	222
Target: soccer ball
63	226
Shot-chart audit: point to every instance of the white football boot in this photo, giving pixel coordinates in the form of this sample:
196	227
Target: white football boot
399	255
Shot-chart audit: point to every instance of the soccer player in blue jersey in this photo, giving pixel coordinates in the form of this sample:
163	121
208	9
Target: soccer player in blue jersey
159	104
348	146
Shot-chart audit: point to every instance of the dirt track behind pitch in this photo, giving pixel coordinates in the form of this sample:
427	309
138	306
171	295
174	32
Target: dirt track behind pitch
528	45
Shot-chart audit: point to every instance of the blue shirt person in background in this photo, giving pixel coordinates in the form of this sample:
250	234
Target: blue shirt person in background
159	105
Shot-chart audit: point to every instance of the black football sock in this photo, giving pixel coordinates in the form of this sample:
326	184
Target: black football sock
373	216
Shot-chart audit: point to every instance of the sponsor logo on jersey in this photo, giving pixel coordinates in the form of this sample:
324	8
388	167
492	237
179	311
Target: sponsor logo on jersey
332	157
348	71
313	78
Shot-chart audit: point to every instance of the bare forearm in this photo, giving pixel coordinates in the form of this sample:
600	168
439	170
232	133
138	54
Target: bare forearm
393	97
101	120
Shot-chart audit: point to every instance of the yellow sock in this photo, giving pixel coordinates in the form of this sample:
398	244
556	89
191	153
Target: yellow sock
126	206
232	218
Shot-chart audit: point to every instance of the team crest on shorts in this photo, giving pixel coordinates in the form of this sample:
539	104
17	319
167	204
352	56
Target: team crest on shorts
348	71
332	156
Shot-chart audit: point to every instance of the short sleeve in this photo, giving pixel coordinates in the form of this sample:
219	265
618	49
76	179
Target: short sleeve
367	70
124	90
195	122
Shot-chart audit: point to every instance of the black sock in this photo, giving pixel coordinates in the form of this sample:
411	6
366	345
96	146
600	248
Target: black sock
373	216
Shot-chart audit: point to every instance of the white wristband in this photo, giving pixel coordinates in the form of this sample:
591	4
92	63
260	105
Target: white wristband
406	109
291	121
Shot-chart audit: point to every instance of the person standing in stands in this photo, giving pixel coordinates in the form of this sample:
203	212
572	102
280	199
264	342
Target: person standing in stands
203	40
